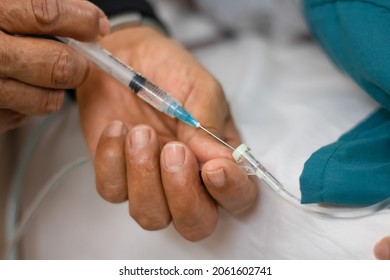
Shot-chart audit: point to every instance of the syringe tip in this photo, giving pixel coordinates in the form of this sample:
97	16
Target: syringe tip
185	116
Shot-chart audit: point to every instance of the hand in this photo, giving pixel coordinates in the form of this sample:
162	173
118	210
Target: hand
35	72
151	160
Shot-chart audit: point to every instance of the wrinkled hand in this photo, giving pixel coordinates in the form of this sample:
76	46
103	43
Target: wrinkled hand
152	160
34	72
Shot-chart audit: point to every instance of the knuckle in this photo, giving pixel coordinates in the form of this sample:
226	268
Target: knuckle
7	98
46	13
217	89
90	15
5	56
146	166
51	102
3	95
4	59
63	69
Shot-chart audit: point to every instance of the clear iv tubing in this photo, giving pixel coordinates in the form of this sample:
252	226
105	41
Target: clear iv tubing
253	167
144	89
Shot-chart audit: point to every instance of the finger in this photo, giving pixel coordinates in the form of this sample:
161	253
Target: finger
194	212
70	18
382	249
110	163
229	185
10	119
147	202
29	100
43	63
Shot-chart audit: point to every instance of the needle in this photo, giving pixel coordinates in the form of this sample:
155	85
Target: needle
219	139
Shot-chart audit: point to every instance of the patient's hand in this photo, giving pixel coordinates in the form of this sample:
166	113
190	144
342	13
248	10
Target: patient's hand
34	72
152	160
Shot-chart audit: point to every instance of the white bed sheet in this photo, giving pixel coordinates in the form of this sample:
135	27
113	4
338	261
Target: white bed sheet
288	101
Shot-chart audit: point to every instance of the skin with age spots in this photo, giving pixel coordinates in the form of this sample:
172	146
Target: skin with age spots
34	72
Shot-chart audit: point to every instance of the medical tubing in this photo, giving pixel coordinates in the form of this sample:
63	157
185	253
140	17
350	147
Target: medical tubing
32	209
263	174
346	213
15	189
243	156
330	212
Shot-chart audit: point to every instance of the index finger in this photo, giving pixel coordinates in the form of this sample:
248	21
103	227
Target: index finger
80	20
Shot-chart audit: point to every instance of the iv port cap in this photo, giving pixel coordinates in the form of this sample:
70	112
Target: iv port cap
239	152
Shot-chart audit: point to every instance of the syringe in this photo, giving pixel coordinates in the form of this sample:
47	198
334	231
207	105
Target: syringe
144	88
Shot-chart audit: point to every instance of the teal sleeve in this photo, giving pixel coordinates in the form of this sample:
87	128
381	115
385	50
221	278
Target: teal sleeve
355	170
356	36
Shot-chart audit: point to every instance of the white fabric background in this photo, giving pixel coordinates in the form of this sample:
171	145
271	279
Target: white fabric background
287	100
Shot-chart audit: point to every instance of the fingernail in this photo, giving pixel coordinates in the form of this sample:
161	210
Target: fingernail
174	156
104	26
115	129
140	137
217	177
381	251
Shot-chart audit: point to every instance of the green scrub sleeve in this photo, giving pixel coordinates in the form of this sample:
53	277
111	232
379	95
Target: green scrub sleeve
355	34
355	170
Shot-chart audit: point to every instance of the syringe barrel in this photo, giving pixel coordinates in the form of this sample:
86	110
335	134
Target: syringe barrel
103	60
161	100
145	89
